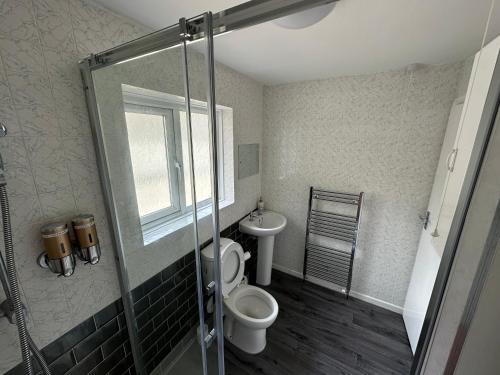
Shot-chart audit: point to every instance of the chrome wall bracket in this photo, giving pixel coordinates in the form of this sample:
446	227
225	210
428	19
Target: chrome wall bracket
210	289
7	310
3	130
209	339
62	267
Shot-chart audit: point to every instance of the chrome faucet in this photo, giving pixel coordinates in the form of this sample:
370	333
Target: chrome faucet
252	216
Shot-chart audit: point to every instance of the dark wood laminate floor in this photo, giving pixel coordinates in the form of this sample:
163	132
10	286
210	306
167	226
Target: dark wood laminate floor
320	332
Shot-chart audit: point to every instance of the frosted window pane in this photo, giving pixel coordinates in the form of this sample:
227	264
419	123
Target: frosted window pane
148	150
201	155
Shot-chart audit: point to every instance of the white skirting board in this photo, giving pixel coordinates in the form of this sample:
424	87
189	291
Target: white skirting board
353	293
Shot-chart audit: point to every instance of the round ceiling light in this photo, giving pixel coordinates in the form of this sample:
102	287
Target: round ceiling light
305	18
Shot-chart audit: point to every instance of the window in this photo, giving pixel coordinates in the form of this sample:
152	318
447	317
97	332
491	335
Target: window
158	142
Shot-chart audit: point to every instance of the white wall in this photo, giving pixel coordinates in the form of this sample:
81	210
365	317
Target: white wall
380	134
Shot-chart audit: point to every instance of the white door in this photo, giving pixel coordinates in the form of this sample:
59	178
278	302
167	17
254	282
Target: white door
430	249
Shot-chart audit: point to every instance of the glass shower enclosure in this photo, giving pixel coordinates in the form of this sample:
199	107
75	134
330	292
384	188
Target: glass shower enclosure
154	118
153	114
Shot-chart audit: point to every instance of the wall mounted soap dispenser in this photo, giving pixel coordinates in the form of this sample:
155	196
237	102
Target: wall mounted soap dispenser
58	255
87	242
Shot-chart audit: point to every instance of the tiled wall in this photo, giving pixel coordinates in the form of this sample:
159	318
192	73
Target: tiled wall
378	133
165	309
49	158
98	345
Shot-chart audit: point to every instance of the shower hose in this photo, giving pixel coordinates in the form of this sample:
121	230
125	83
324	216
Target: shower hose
28	346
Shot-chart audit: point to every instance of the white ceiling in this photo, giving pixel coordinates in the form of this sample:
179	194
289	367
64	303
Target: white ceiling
358	37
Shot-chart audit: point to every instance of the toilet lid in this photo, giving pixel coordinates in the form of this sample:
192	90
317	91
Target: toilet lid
232	267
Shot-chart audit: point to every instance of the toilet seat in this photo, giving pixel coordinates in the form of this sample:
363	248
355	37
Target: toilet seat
232	267
232	264
248	310
252	306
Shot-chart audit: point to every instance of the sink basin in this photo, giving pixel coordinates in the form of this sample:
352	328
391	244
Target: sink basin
265	227
268	224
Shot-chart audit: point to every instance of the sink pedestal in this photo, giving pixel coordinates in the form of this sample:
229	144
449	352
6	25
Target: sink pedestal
265	260
265	227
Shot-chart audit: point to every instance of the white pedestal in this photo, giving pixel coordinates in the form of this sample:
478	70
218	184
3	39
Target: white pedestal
265	260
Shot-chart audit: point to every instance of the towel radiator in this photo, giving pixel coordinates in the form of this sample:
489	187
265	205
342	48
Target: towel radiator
331	238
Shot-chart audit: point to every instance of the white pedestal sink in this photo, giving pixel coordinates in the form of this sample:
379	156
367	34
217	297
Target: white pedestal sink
265	227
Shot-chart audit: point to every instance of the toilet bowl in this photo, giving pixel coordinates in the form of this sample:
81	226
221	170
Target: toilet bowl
248	310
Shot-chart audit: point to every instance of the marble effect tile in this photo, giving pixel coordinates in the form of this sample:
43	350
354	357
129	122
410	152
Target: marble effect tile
363	133
49	156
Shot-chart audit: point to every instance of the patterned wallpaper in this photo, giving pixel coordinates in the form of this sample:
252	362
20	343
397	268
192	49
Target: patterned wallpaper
378	133
49	156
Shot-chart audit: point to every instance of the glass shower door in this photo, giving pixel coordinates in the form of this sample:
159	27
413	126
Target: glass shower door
154	128
203	177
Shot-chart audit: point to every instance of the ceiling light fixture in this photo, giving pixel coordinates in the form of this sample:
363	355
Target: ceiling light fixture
305	18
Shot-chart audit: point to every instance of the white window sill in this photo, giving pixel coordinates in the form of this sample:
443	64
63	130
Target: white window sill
165	229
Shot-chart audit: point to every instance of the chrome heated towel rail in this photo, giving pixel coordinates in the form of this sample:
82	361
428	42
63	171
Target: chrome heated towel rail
331	238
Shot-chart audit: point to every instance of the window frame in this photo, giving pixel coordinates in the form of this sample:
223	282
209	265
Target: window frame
166	104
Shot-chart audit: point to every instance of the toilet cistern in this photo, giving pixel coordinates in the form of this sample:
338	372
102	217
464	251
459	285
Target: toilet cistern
268	225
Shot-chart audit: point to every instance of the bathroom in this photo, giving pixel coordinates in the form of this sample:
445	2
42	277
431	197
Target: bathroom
380	115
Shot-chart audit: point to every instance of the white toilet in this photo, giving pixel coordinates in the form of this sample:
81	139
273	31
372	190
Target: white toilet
248	310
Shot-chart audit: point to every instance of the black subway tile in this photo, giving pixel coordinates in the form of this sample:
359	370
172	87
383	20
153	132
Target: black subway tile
165	313
86	365
145	331
61	345
141	305
183	274
150	367
187	293
122	366
108	313
114	342
128	347
171	270
155	308
161	290
174	293
142	320
108	363
146	287
189	258
122	322
149	353
153	337
18	370
95	340
62	364
163	352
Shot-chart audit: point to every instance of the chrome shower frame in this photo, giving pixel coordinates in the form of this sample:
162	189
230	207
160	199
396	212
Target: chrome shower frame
204	27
